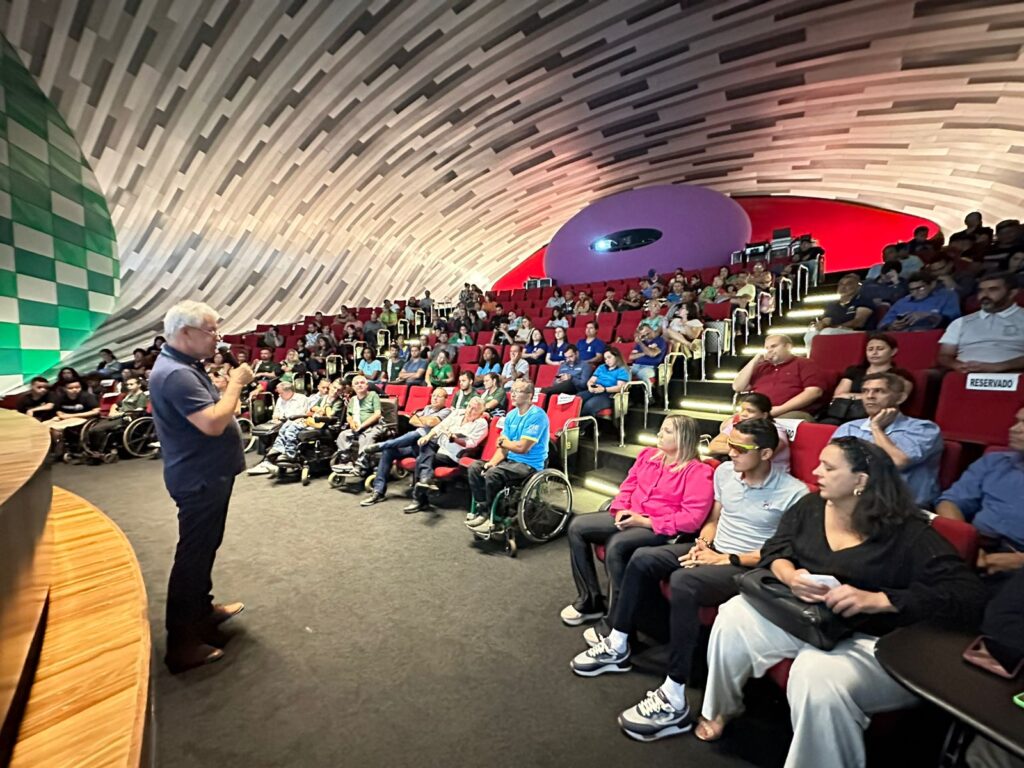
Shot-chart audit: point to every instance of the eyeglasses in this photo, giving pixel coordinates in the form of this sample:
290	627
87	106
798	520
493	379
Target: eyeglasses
741	447
215	334
918	288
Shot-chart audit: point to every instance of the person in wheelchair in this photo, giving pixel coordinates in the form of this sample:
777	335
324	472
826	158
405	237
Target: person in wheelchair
71	409
320	410
289	407
522	450
134	403
363	426
443	445
668	492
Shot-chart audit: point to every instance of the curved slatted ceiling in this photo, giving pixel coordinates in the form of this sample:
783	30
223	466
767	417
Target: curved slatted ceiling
273	158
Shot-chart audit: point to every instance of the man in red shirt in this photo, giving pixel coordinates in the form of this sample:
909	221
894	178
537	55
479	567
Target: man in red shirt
795	385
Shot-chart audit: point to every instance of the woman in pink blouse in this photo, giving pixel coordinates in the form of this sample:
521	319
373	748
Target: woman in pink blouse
668	492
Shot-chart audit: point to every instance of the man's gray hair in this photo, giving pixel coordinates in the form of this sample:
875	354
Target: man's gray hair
188	313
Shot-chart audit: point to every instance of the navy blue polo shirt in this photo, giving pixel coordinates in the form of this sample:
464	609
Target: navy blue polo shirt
590	348
179	387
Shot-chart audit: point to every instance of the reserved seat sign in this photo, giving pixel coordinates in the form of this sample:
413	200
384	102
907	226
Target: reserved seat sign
993	382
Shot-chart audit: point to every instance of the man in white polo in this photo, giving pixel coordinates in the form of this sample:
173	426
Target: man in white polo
990	340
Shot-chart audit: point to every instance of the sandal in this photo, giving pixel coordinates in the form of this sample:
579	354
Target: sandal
709	730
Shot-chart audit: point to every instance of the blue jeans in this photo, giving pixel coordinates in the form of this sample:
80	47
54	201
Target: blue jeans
396	448
594	402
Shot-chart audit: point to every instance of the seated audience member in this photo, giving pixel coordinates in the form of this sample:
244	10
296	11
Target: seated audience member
38	401
271	339
363	425
522	450
847	314
313	333
927	306
109	367
142	362
943	268
463	337
464	392
864	529
514	322
288	407
846	406
590	347
219	363
403	446
154	349
920	240
556	350
914	445
572	375
370	367
988	496
536	349
808	253
443	345
972	223
489	363
608	379
751	493
608	303
746	293
494	395
713	293
684	329
427	305
524	331
584	304
796	384
556	300
653	319
647	354
632	301
292	366
990	340
443	446
558	320
392	366
319	406
897	252
498	317
389	318
415	368
886	289
440	372
1015	267
316	359
266	371
72	402
370	329
752	405
135	399
646	289
667	492
516	368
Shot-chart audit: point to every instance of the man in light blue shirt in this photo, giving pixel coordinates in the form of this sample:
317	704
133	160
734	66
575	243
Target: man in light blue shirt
914	445
927	306
522	450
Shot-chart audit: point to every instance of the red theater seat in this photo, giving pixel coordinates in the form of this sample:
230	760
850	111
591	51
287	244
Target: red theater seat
398	391
837	352
418	398
468	355
917	349
805	449
545	376
976	416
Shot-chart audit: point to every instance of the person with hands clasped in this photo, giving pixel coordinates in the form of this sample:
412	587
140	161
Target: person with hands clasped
751	494
607	380
864	532
668	491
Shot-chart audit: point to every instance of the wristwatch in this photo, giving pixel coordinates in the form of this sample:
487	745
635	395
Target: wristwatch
734	560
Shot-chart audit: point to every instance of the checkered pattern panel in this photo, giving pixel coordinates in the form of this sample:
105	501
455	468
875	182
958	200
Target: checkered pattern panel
59	273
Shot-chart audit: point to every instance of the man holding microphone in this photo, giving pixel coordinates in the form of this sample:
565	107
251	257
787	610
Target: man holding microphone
202	452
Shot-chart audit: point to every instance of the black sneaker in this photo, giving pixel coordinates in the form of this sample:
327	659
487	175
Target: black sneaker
373	498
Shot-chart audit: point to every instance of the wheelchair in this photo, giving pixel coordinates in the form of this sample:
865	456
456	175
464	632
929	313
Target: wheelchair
134	434
316	447
539	508
353	483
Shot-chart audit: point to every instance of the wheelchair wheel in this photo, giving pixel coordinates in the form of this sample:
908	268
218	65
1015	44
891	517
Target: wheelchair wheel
511	547
336	480
85	439
545	505
249	440
110	458
304	474
138	436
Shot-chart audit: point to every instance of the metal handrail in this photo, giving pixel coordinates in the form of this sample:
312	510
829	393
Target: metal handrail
788	284
721	343
668	366
575	422
386	338
403	327
746	327
334	364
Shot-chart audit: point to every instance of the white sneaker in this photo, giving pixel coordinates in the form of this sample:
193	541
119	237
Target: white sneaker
591	637
573	618
263	468
475	520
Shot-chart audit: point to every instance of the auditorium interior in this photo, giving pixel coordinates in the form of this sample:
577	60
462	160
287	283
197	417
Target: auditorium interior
477	349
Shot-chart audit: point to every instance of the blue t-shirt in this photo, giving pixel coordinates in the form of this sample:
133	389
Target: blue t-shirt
369	368
484	368
531	348
557	351
179	387
610	377
534	425
590	349
658	342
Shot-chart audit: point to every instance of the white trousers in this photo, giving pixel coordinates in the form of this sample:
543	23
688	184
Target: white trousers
832	694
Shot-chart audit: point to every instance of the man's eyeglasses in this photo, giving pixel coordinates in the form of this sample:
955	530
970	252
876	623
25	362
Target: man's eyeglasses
917	288
741	447
215	334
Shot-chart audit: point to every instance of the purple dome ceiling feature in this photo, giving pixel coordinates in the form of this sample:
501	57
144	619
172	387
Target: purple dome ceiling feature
699	227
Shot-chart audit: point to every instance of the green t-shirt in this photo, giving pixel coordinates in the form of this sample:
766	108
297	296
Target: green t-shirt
439	374
134	402
361	410
497	396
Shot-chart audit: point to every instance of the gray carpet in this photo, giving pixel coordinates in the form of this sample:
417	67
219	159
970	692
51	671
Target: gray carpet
373	638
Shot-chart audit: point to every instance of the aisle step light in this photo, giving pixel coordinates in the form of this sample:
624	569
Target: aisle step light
707	406
597	485
802	314
821	298
724	377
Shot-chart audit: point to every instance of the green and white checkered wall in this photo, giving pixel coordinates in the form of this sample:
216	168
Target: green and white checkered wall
59	275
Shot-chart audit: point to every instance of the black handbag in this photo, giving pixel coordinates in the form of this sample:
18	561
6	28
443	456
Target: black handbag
844	409
814	623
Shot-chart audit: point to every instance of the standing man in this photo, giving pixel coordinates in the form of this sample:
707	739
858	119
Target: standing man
202	450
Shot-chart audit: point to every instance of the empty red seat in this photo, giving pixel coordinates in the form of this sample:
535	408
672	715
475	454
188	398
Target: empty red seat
573	335
720	311
418	398
805	448
917	349
951	464
398	391
976	416
468	355
837	352
545	375
580	321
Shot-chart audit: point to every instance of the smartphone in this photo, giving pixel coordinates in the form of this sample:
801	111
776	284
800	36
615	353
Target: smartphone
623	518
978	655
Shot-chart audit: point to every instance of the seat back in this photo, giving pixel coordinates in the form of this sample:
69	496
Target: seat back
491	442
805	448
418	398
718	311
545	375
399	392
837	352
976	416
917	349
560	412
951	463
468	355
963	536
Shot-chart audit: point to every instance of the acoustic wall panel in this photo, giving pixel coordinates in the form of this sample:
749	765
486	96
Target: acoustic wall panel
59	276
279	156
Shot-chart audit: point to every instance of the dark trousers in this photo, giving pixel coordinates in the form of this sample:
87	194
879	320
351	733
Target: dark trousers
599	528
691	588
201	517
429	458
485	485
561	388
594	402
395	448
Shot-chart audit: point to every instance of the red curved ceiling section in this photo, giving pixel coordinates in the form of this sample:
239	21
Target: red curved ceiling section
852	234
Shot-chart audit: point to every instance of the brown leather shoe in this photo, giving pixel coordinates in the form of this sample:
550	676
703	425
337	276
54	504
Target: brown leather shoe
186	657
222	613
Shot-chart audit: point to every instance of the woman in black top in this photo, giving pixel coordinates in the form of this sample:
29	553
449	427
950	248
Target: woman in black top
888	568
878	354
